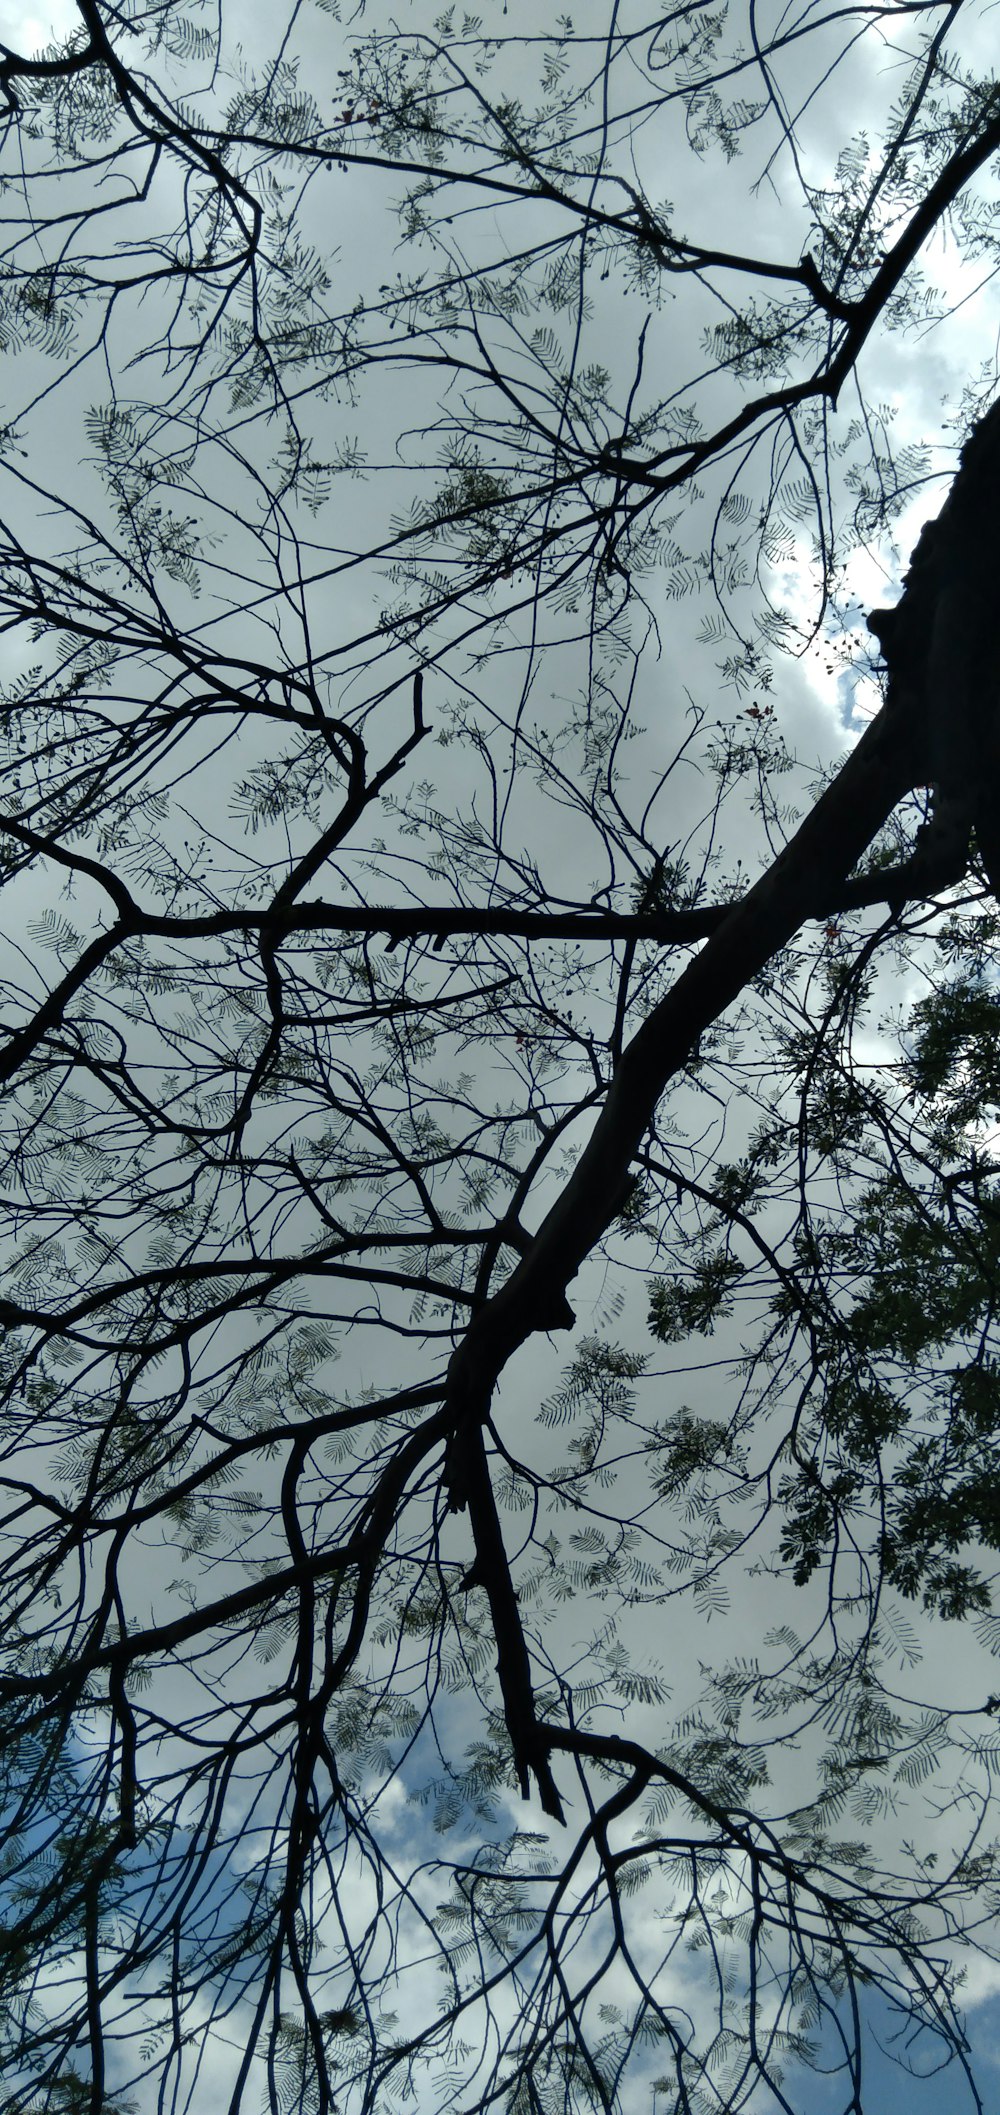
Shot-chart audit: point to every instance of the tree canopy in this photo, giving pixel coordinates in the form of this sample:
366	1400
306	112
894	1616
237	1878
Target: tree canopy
499	1187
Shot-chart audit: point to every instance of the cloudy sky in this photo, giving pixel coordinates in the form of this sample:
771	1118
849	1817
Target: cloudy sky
918	376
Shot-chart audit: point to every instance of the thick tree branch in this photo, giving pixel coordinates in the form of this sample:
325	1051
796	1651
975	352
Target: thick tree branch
804	878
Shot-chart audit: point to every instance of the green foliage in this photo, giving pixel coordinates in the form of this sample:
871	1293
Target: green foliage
677	1310
372	1023
954	1058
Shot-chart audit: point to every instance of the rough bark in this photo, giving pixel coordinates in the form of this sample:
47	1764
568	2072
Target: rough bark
939	643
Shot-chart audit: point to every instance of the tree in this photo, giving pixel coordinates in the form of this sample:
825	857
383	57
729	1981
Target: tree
490	1159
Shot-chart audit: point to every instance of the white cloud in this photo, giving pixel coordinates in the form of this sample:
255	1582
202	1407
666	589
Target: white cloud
27	32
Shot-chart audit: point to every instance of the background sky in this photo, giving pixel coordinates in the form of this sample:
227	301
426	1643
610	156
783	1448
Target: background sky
820	703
